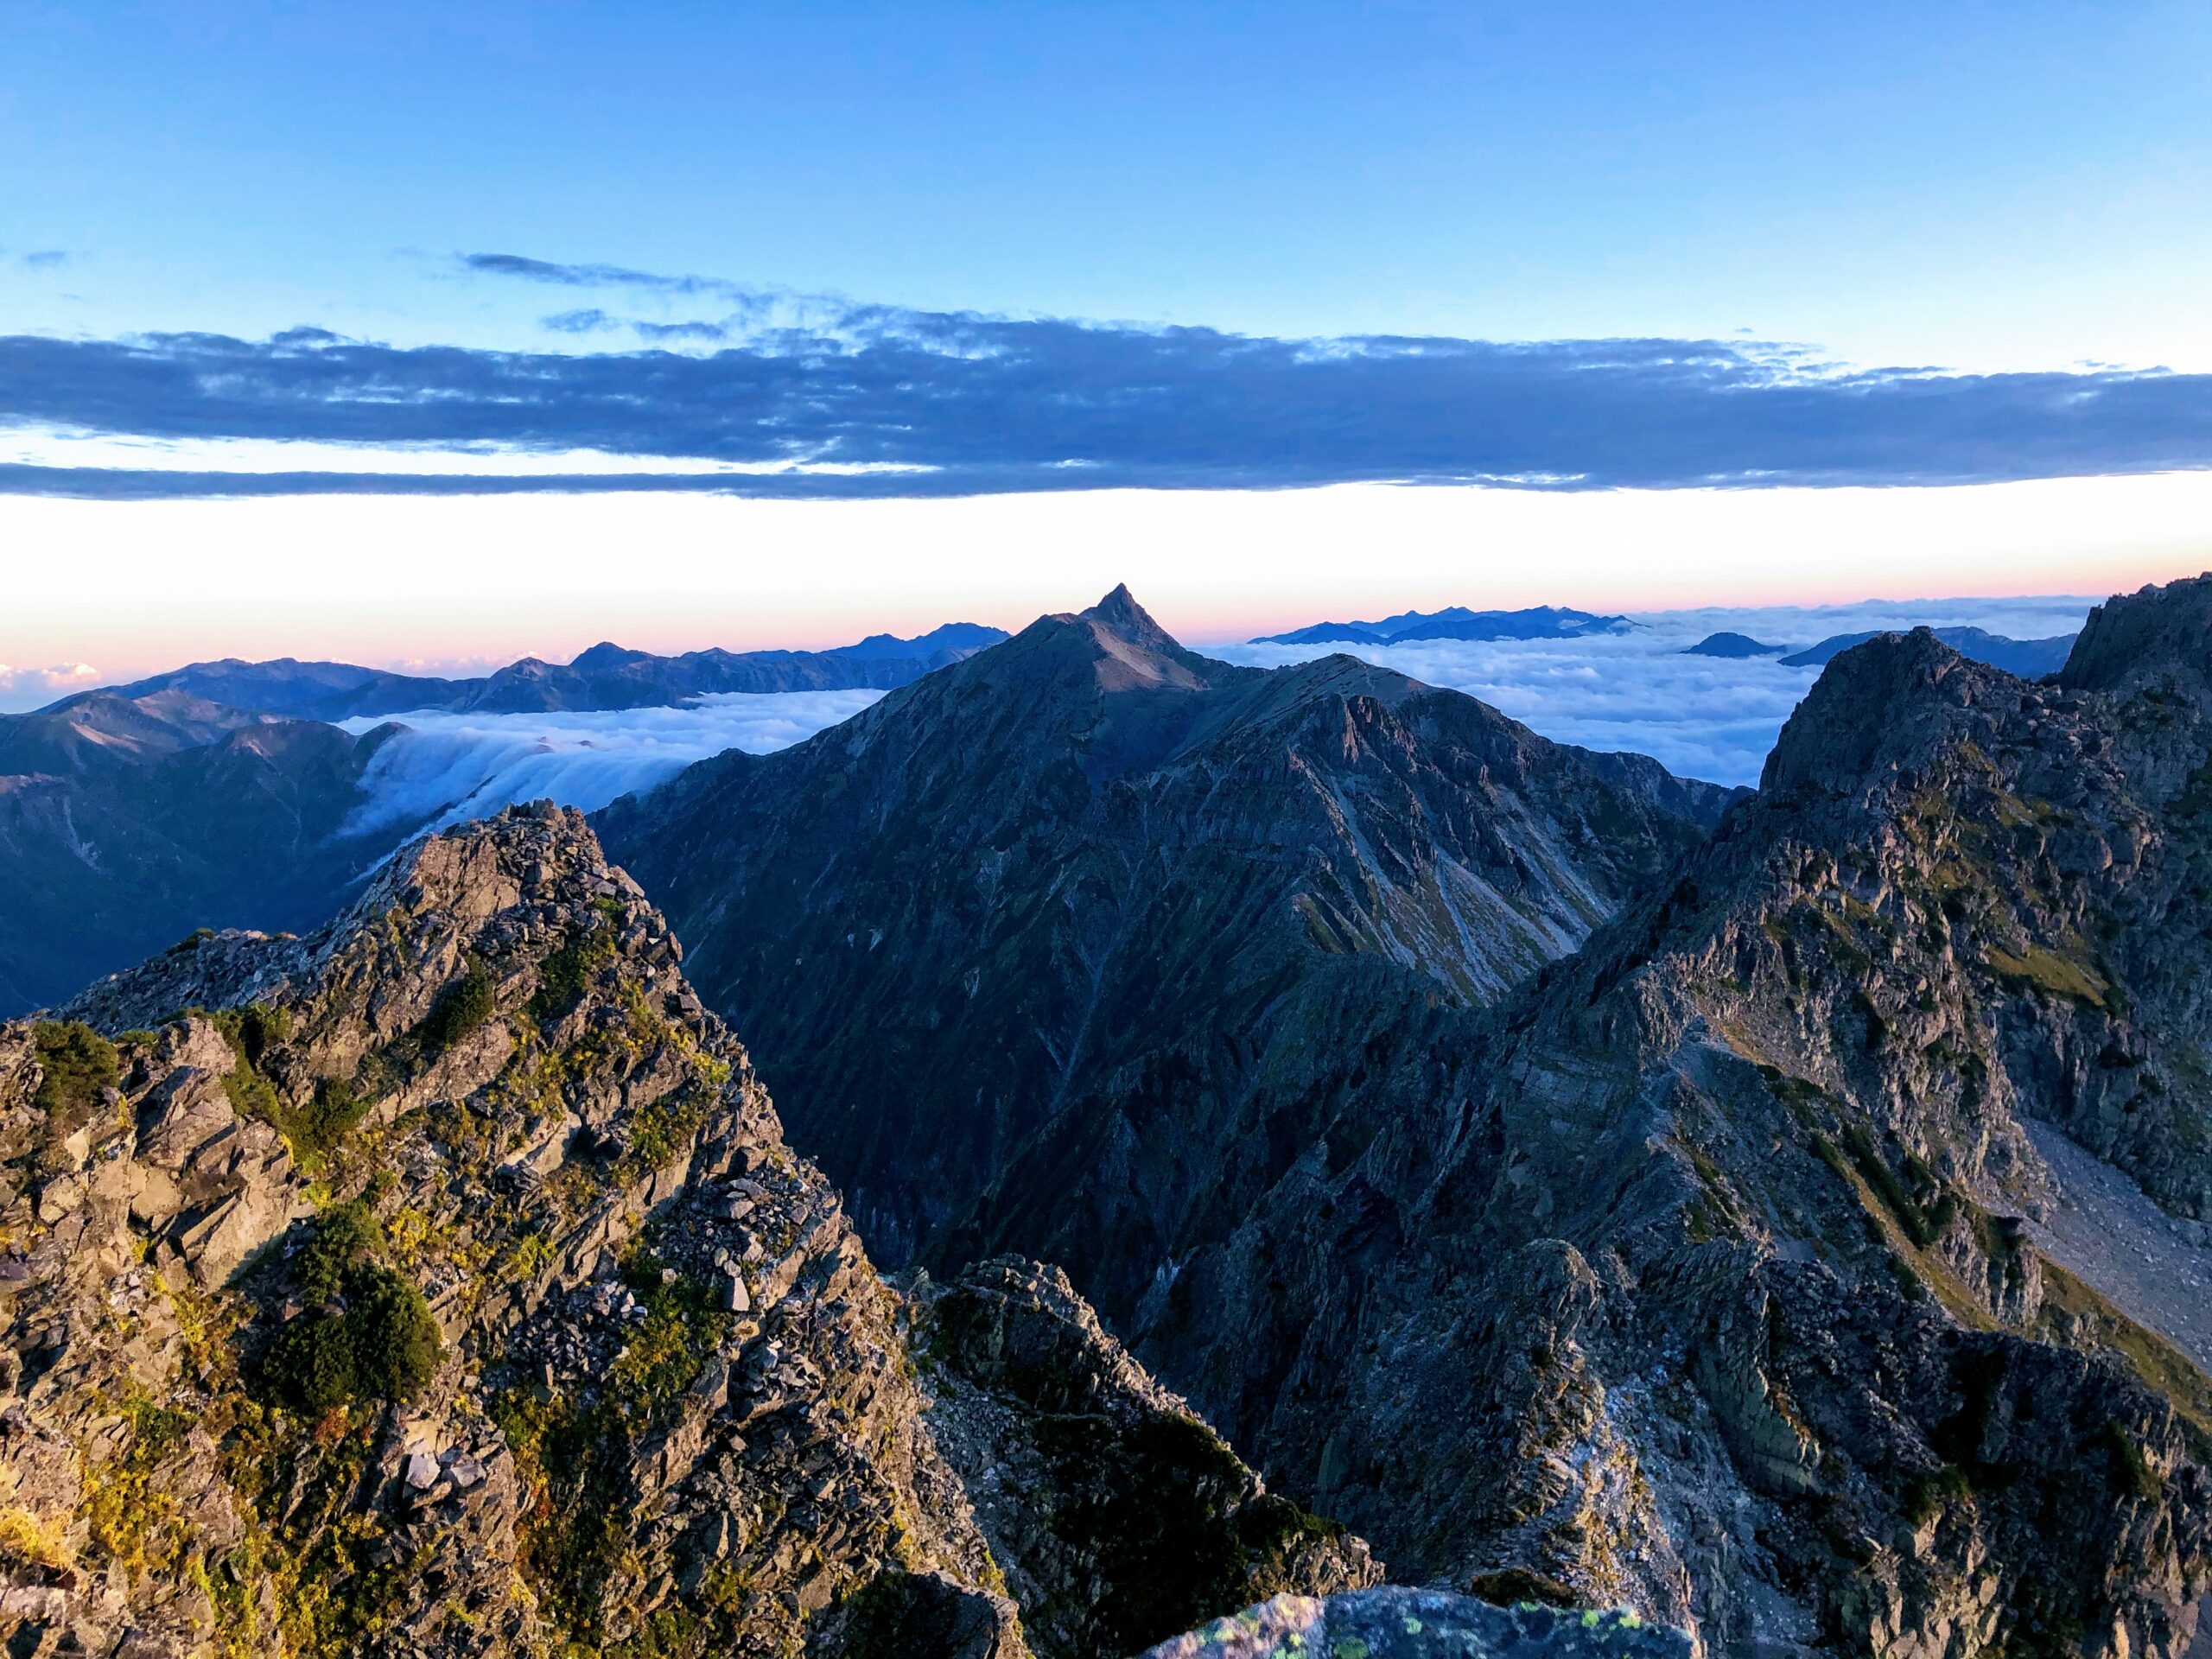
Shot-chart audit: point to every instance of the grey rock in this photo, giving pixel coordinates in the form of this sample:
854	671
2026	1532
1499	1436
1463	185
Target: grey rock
1402	1624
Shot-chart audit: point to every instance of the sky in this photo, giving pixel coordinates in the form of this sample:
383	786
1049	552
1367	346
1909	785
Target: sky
443	334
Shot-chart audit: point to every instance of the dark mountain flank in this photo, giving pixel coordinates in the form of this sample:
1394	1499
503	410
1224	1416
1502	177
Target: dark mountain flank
2029	658
1567	1198
1091	896
1708	1271
126	822
440	1284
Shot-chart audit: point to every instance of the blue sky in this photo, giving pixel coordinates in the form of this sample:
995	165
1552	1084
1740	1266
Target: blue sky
265	262
1985	186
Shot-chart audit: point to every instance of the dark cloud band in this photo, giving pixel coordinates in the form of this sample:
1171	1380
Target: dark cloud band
977	404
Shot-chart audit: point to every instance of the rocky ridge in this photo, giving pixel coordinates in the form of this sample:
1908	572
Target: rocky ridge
1135	900
1720	1223
1694	1269
1116	1511
440	1283
1402	1623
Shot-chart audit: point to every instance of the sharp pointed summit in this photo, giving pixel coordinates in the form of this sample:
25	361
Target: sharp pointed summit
1093	852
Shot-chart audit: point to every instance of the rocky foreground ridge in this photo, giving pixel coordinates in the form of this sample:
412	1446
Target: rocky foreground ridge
441	1284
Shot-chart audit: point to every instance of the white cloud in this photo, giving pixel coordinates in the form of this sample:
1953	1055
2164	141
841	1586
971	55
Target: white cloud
28	687
1699	716
446	767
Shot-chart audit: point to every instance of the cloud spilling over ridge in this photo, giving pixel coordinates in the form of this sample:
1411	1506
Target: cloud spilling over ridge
448	767
838	398
1699	716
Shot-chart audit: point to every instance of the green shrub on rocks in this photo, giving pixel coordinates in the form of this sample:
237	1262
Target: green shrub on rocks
462	1008
344	1237
311	1130
369	1335
310	1367
565	975
75	1063
326	1119
395	1341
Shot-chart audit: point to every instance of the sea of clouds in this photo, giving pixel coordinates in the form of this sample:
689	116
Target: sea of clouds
446	767
1699	716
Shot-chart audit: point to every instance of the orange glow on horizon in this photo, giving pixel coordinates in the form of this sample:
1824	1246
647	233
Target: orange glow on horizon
470	583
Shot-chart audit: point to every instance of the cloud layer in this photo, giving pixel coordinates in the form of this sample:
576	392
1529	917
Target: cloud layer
1699	716
823	398
448	767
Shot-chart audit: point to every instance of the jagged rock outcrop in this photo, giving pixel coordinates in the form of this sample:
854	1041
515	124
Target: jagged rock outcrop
1713	1286
440	1283
1115	1511
1089	902
1402	1623
1699	1271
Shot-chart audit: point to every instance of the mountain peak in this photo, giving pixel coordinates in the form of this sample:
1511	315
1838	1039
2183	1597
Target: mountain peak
607	654
1128	649
1884	699
1120	611
2154	637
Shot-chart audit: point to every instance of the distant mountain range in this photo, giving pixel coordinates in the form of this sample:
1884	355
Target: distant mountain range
2029	658
605	677
1454	622
223	792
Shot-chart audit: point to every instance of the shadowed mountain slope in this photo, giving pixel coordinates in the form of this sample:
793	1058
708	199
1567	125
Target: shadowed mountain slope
126	823
1698	1276
1088	878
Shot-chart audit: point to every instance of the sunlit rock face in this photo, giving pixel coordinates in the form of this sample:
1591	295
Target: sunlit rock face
1400	1623
441	1283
